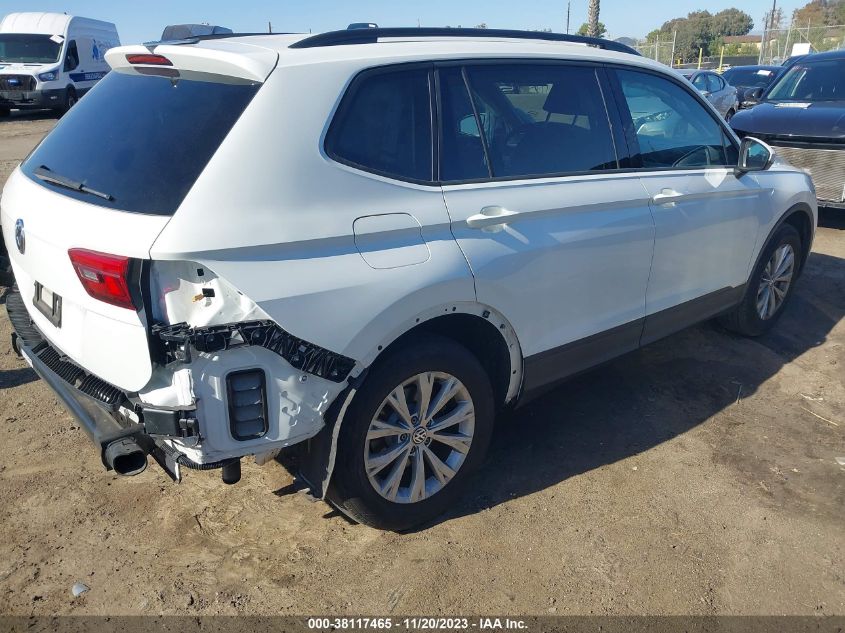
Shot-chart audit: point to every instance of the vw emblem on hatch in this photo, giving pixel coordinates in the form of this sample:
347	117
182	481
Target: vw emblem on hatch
20	236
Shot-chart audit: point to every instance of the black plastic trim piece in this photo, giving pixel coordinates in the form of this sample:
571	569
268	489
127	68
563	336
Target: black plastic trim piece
94	418
666	322
177	339
544	370
552	366
372	36
21	323
170	423
232	406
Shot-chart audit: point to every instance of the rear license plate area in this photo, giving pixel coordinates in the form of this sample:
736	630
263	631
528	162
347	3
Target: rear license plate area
48	303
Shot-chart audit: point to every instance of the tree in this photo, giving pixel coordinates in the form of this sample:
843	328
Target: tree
732	22
593	18
773	24
817	13
585	30
702	31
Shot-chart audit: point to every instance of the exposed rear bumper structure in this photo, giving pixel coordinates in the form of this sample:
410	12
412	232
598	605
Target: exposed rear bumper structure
103	410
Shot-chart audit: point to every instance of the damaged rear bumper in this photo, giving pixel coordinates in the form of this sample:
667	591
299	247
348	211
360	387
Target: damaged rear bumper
201	410
121	434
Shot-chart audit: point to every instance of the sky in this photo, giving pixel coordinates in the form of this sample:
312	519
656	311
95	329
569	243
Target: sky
144	21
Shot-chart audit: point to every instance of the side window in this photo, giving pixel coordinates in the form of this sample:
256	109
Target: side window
71	57
714	83
700	82
384	125
672	128
538	120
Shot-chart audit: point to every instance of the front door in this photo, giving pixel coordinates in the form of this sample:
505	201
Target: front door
558	243
707	216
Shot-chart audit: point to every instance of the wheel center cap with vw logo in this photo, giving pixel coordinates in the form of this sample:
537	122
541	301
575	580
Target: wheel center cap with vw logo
420	435
20	236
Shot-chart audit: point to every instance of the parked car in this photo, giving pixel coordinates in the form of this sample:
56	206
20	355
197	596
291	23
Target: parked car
366	250
750	81
716	90
800	116
49	60
186	31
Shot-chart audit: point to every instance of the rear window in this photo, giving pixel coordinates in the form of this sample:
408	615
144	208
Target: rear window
140	141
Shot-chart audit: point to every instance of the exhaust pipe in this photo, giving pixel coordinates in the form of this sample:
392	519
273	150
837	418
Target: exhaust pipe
126	457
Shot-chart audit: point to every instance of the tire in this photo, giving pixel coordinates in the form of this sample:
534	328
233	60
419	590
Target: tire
746	318
70	100
353	491
4	112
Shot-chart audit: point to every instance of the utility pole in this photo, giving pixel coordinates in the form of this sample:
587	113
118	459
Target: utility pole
568	8
772	25
269	27
672	58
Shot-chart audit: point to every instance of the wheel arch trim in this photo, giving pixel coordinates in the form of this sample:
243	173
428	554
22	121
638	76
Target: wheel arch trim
320	457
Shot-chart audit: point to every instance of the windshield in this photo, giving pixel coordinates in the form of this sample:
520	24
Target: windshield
749	77
138	143
23	48
822	80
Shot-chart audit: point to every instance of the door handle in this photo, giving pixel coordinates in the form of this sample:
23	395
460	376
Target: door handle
667	196
490	217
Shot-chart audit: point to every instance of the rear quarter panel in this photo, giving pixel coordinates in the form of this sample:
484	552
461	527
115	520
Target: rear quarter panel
274	216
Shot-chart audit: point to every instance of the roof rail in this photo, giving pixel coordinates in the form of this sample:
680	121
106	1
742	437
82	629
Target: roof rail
371	36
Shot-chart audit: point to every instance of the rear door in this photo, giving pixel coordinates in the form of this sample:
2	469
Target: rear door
707	216
107	180
557	239
722	92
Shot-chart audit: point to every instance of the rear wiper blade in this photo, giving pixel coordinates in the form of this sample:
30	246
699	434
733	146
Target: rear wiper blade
46	174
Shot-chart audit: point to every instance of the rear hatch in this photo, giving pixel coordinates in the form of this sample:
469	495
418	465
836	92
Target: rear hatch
80	214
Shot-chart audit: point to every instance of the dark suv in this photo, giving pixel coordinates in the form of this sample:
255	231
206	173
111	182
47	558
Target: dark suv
801	115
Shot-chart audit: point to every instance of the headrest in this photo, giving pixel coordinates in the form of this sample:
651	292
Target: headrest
565	99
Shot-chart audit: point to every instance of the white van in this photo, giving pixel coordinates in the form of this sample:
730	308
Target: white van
49	60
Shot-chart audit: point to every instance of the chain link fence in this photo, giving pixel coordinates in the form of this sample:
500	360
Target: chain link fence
781	44
662	51
775	47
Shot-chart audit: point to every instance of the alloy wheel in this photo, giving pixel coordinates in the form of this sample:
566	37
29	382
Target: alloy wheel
419	438
775	282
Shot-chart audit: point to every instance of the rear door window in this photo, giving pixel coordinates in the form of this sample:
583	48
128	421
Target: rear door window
384	125
142	140
714	83
534	120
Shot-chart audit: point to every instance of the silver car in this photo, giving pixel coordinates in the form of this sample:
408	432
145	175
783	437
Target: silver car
716	90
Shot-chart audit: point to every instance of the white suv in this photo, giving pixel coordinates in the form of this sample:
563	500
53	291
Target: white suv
366	243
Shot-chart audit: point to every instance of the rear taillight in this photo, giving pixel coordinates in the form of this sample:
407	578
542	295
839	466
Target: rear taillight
104	277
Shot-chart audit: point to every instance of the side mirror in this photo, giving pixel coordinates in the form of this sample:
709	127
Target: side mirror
754	95
754	155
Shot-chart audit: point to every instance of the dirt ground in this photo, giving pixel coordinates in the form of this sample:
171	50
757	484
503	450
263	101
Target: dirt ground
696	476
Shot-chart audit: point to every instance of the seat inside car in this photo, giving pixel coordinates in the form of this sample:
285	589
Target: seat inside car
563	142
